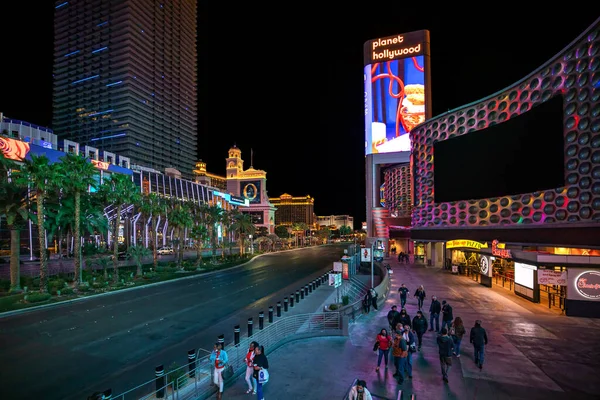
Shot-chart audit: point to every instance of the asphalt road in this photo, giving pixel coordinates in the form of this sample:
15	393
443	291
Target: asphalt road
116	341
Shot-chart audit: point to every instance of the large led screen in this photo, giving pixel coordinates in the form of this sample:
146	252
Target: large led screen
521	155
396	92
524	274
251	190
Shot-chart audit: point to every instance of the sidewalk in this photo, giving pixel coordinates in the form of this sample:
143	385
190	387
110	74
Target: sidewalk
522	358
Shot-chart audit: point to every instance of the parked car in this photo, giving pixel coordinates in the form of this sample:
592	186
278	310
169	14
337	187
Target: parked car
165	250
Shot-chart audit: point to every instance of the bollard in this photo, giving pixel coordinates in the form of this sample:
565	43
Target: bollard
285	304
310	288
278	309
270	314
192	363
236	335
297	296
261	320
221	340
292	300
314	285
302	293
250	326
159	372
318	282
107	395
306	290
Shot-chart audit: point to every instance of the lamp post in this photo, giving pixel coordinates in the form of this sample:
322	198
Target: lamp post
251	245
372	262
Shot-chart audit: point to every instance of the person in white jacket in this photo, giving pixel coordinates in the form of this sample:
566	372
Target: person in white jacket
249	361
360	391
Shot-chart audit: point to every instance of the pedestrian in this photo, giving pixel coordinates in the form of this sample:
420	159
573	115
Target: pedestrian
400	352
367	301
419	324
420	296
384	342
445	347
374	297
249	361
219	359
403	290
434	314
479	339
457	331
260	362
404	318
359	391
393	314
401	257
447	316
411	341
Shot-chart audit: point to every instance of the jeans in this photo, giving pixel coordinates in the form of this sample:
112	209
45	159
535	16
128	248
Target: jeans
249	379
436	318
445	364
383	354
402	301
457	342
420	301
419	338
479	354
259	390
447	324
401	367
409	363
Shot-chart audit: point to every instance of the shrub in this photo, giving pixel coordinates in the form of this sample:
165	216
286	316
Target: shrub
66	291
345	300
4	285
189	267
150	275
174	374
37	297
333	307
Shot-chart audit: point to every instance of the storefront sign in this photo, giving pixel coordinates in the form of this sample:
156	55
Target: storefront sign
337	266
345	271
365	254
499	251
469	244
587	284
484	266
551	277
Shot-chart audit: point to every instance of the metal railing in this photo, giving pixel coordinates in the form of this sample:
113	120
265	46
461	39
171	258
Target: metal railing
401	396
355	309
504	279
347	395
194	380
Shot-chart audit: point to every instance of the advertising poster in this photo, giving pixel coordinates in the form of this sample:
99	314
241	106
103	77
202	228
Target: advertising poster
251	191
551	277
583	284
337	266
365	254
396	95
345	271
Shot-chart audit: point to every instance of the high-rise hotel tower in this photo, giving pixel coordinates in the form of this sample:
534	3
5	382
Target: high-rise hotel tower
125	74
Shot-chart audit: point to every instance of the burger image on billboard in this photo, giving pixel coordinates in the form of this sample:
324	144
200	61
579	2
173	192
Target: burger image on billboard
587	284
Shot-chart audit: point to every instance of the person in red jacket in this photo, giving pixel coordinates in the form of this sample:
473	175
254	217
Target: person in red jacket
384	342
249	361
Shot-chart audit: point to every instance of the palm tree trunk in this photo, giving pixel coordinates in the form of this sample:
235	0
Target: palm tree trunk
42	243
181	245
60	239
15	262
77	234
153	238
116	245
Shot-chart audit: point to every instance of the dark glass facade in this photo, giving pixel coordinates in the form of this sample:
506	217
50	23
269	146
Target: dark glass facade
125	79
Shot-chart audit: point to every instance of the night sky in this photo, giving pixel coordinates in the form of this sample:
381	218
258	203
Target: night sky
288	82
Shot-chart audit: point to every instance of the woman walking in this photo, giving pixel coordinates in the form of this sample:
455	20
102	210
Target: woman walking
457	331
249	361
385	341
260	362
420	295
219	358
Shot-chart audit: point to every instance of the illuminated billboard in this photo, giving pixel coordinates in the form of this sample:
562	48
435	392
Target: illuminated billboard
397	90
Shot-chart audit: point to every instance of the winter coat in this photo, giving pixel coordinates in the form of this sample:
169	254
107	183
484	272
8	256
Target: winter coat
400	348
392	316
435	307
419	324
478	336
447	311
403	319
445	346
420	294
459	331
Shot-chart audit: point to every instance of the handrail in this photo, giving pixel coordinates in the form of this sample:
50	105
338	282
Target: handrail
194	383
347	396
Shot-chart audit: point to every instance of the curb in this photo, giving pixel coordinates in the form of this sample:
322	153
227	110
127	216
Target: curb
62	303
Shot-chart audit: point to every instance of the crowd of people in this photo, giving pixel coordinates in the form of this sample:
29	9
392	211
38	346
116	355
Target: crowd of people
403	337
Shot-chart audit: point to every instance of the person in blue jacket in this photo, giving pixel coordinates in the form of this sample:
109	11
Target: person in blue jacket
219	359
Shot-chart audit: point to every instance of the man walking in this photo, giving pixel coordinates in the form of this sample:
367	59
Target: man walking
447	316
446	347
391	317
479	339
434	314
419	324
403	290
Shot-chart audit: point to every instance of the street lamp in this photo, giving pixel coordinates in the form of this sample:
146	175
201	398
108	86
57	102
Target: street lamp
251	245
372	262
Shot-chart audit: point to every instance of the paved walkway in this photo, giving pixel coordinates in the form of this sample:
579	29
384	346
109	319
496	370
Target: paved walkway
533	353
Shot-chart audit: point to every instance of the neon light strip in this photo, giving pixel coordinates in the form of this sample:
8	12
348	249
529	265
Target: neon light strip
70	54
62	4
100	113
114	83
102	23
108	137
99	50
85	79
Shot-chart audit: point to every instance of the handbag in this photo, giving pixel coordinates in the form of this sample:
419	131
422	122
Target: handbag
376	345
227	372
263	376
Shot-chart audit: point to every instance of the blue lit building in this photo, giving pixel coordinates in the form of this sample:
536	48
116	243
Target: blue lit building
125	79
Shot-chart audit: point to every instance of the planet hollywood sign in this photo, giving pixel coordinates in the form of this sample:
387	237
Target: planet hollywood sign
587	284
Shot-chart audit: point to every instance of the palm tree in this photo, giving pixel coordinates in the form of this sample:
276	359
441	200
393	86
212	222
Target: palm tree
151	206
214	215
274	239
78	175
13	206
243	226
42	177
137	254
200	234
180	218
228	220
118	190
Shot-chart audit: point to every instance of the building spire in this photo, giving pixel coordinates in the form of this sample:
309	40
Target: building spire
251	158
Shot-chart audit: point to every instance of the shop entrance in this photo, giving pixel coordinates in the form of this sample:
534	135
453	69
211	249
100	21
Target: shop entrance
553	296
503	273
